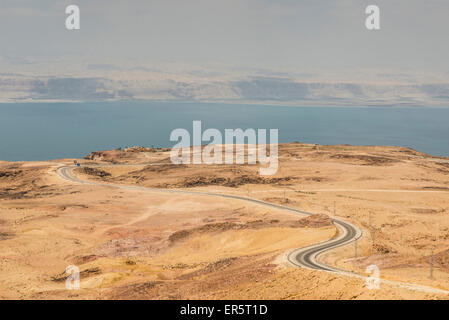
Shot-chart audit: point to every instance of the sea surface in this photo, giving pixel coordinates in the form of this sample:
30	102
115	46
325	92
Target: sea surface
43	131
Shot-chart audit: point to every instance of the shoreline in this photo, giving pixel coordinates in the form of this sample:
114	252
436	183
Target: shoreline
423	154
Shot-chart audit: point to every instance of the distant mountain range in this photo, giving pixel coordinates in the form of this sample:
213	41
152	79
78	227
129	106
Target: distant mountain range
112	84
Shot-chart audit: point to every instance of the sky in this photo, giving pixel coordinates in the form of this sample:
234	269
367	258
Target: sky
300	33
308	37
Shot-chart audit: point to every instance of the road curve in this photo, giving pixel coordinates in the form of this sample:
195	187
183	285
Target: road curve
306	257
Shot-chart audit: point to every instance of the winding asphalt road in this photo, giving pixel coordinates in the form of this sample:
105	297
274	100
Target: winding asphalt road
306	257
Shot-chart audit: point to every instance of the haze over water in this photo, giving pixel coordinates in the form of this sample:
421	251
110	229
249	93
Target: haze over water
43	131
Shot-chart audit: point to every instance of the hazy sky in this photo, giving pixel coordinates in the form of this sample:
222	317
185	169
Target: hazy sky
303	34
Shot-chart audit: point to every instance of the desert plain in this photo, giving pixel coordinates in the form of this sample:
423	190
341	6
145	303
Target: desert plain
159	243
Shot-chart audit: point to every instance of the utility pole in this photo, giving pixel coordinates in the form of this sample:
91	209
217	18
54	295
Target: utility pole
334	208
285	195
369	219
431	264
355	249
247	206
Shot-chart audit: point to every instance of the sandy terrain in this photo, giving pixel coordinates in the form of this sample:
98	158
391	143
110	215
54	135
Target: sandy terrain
132	244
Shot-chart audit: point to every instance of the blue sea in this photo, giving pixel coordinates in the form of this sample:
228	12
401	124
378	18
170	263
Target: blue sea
43	131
